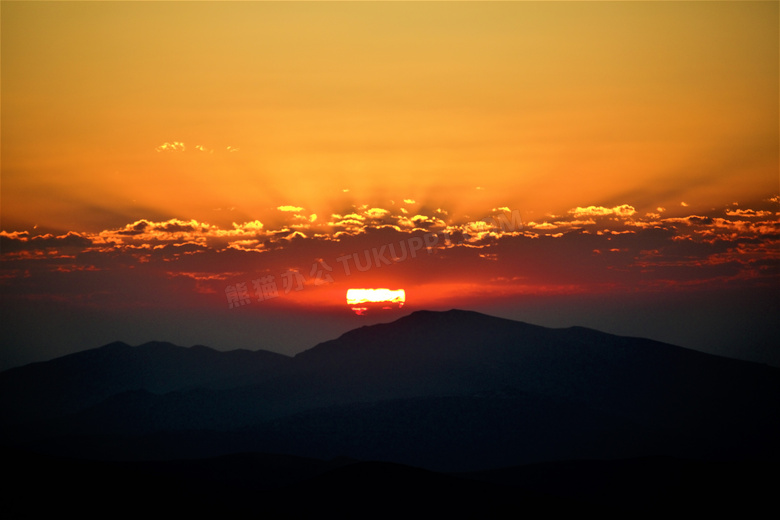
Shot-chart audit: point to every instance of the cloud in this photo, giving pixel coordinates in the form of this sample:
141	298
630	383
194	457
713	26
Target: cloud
600	211
246	245
253	226
376	213
145	231
176	146
350	220
19	241
180	147
724	246
544	225
750	213
289	208
177	226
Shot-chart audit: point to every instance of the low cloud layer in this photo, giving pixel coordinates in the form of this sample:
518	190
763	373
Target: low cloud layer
590	248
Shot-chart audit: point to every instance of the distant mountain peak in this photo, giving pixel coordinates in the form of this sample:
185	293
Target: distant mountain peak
449	313
457	319
115	345
158	344
436	332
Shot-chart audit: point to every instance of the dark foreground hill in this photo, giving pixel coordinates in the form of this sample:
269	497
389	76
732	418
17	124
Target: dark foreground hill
446	391
281	486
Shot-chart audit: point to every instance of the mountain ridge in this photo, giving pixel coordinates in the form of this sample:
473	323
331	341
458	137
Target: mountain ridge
413	317
430	388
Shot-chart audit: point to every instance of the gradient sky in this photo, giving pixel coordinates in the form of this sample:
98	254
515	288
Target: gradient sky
156	156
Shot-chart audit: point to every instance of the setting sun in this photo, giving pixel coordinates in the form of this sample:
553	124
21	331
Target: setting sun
362	300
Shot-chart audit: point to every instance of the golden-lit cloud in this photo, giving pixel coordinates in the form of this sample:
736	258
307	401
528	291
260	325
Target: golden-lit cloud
599	211
254	226
248	245
543	225
750	213
376	213
175	146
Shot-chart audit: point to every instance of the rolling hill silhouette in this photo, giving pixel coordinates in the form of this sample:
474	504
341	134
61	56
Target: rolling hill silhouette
446	391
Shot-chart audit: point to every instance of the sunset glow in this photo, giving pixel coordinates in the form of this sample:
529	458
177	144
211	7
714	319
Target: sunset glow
223	172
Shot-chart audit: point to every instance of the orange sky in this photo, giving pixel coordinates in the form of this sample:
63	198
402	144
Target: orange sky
157	155
546	106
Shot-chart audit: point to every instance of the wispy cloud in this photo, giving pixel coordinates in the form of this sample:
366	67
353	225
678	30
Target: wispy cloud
176	146
600	211
749	213
180	147
376	213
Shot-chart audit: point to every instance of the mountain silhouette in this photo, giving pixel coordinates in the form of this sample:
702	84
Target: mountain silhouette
454	390
77	381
